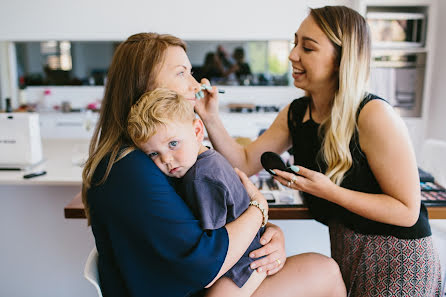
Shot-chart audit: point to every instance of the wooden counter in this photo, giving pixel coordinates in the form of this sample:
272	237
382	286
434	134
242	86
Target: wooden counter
75	210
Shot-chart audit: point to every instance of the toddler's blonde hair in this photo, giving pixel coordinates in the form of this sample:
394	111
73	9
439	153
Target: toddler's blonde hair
154	109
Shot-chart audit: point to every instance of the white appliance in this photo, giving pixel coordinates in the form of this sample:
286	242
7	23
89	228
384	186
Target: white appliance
397	29
20	143
398	77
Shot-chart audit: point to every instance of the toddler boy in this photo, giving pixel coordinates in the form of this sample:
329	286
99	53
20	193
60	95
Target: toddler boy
163	125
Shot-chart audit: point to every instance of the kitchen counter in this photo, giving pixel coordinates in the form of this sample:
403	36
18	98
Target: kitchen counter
75	210
62	162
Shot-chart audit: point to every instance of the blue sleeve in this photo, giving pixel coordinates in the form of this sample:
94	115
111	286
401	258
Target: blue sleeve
160	241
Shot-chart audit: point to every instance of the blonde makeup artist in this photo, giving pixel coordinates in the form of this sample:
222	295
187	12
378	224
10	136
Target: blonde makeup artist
354	161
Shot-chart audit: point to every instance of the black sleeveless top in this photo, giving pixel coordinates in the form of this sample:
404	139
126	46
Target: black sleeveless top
306	150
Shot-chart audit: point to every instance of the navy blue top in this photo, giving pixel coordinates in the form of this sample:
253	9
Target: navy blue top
148	240
307	153
216	196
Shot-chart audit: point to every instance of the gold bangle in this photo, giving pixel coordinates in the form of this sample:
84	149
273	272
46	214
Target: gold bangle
262	210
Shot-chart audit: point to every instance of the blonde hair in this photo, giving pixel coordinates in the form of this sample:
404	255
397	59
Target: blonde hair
154	109
132	72
349	33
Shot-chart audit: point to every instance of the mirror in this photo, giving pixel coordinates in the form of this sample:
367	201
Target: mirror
237	63
63	62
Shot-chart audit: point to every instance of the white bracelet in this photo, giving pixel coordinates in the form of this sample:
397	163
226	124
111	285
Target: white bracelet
262	210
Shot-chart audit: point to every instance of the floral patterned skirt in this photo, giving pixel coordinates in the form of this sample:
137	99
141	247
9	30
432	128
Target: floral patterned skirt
377	265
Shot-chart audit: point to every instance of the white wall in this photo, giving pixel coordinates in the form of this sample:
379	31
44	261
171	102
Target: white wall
436	125
115	20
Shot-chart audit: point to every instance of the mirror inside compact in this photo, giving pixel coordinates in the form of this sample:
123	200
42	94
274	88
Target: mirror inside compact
271	161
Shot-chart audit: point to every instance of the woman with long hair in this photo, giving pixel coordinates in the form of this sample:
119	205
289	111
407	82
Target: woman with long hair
353	158
148	240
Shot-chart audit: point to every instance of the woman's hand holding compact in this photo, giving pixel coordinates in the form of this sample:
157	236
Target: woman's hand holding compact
308	181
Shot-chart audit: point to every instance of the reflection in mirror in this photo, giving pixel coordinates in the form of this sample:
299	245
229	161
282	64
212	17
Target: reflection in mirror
63	62
86	63
240	62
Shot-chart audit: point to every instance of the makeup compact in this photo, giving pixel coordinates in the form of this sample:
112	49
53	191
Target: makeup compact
271	161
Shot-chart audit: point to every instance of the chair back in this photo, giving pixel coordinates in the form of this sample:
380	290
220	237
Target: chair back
91	272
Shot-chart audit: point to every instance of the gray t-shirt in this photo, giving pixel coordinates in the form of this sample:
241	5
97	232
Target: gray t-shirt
216	196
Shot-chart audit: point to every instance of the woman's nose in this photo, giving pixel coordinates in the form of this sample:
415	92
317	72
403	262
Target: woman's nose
294	54
195	85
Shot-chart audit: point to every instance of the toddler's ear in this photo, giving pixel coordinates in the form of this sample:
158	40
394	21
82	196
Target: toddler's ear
199	129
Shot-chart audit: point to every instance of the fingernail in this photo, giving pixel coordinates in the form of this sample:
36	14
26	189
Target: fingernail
294	168
197	96
263	241
259	269
253	266
252	255
273	172
201	94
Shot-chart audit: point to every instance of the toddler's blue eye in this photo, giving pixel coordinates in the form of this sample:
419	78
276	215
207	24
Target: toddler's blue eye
173	143
152	155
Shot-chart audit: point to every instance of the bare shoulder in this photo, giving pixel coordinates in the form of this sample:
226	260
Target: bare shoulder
375	112
378	121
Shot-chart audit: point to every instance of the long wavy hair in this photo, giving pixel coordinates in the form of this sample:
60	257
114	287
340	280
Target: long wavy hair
349	33
133	71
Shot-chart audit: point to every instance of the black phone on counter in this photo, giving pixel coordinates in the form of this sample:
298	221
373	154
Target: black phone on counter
271	161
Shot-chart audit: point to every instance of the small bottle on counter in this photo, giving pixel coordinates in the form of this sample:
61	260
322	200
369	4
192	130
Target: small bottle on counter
8	105
44	104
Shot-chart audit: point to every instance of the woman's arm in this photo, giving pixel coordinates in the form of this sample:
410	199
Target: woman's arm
247	158
384	139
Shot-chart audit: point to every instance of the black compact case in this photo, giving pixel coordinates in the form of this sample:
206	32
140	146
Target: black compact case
271	161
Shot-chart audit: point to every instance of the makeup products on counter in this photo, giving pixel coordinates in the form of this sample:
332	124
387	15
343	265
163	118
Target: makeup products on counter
433	194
